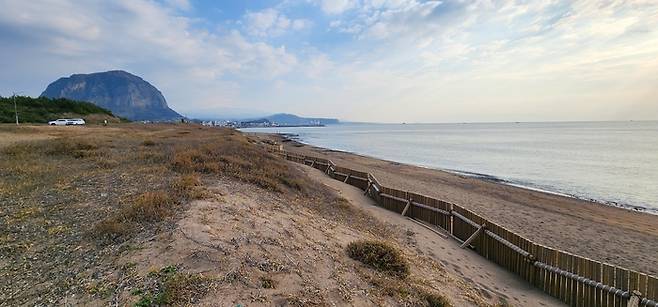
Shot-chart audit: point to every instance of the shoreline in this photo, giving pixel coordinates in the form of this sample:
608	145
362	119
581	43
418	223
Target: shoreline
290	137
609	234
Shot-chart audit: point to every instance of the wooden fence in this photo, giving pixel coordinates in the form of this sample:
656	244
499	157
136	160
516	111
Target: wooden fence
575	280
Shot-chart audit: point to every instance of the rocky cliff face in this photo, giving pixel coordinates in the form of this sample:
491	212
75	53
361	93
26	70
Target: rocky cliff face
124	94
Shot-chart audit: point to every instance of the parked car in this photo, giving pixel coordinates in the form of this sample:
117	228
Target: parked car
67	122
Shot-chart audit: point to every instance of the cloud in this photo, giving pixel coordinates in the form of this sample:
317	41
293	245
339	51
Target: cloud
511	60
337	6
378	60
179	4
194	68
270	22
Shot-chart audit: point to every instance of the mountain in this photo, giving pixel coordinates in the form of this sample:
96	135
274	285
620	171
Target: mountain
124	94
294	120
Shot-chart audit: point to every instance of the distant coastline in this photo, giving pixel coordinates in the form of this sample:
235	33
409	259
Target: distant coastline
281	126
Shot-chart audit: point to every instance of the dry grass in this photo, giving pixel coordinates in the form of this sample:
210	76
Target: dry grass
147	208
136	178
409	291
267	283
168	287
234	156
392	275
380	256
148	143
151	207
61	147
187	187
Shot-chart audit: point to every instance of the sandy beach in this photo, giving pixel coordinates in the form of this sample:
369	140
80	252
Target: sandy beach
613	235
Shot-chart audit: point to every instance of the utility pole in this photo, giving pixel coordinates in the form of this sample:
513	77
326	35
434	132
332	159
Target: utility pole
15	109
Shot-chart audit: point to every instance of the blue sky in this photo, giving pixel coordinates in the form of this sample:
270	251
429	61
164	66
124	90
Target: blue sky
360	60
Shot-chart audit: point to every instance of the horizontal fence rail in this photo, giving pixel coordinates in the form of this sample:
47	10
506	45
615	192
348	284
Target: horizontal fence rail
575	280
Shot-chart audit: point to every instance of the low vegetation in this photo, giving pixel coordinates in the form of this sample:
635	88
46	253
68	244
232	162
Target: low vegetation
42	110
84	196
76	201
379	255
407	291
233	156
168	286
392	274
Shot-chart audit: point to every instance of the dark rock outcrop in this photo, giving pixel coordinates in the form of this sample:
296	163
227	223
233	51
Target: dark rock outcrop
124	94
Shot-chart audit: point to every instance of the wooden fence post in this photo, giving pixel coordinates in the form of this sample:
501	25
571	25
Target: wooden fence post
473	236
634	301
404	212
347	178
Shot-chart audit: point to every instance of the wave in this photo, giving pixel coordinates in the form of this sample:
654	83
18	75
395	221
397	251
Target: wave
532	187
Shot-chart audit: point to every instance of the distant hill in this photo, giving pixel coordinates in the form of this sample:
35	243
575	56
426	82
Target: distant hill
42	110
294	120
124	94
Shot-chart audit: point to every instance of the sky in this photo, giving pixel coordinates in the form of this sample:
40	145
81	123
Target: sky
357	60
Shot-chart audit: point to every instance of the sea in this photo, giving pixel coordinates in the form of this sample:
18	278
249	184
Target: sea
615	163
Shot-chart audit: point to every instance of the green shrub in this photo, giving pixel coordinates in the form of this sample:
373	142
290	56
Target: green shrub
42	109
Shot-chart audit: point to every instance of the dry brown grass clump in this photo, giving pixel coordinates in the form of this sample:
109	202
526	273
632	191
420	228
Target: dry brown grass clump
187	187
170	287
60	147
148	208
151	207
409	291
148	143
267	283
436	300
235	157
379	255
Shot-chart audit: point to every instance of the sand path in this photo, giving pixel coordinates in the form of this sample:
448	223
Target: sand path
460	262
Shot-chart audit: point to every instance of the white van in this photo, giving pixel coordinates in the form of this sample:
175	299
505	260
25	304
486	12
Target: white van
67	122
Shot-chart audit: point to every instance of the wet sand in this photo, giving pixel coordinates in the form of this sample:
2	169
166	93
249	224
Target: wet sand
613	235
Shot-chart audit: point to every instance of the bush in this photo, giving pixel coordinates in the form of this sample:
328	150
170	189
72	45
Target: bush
111	229
380	256
267	283
187	187
435	300
173	288
42	109
150	207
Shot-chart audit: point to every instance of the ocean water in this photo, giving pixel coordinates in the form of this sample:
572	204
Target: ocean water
610	162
